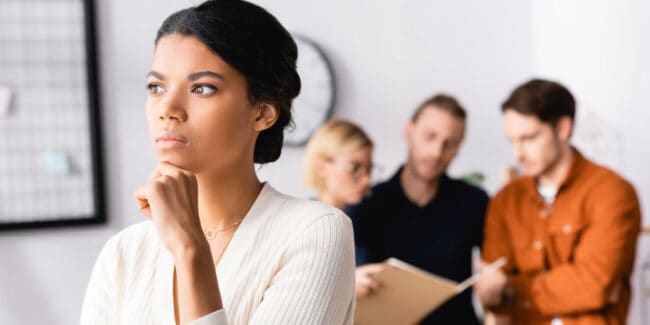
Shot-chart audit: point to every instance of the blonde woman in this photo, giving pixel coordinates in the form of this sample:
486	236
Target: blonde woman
338	162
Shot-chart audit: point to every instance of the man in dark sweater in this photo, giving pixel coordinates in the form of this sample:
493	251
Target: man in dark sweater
421	215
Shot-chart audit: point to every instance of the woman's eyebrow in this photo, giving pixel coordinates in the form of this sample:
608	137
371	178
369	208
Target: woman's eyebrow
197	75
191	77
156	75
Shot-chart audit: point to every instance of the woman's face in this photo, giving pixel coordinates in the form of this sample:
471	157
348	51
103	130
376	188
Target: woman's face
347	176
199	115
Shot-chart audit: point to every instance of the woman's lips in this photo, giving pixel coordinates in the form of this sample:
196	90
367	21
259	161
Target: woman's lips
170	140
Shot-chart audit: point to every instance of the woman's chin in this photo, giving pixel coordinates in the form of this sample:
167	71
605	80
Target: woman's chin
354	200
177	162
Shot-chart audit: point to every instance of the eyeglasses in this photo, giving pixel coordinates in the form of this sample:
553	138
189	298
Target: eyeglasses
356	168
359	169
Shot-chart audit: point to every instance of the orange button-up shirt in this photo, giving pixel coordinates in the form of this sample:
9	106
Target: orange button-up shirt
571	259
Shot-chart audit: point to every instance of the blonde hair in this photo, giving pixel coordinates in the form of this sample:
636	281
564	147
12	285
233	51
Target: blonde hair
330	140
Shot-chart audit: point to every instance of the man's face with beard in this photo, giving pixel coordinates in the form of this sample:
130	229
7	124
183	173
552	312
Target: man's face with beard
434	139
536	145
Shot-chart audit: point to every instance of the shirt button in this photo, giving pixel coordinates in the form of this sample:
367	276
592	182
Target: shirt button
544	213
567	229
556	321
538	244
526	304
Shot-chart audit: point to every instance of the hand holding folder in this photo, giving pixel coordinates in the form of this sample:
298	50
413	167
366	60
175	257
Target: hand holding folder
408	294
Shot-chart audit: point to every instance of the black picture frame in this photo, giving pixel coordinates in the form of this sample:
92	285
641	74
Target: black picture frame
98	216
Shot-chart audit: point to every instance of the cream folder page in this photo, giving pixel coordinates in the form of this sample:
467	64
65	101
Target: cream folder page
408	294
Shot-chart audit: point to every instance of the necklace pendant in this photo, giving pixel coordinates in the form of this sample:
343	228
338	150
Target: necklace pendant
210	233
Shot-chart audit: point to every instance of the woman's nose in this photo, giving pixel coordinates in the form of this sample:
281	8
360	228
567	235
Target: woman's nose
172	108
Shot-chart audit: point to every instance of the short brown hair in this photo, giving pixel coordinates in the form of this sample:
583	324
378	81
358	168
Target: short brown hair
444	102
547	100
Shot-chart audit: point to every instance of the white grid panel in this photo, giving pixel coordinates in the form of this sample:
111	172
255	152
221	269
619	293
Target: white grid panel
45	149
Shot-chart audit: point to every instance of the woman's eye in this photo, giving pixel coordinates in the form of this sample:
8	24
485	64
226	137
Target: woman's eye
204	89
155	88
353	167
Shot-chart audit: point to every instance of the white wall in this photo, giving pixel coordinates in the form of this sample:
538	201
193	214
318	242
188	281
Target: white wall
600	49
44	273
387	56
603	58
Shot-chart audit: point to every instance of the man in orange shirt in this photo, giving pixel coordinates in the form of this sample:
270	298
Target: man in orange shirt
568	227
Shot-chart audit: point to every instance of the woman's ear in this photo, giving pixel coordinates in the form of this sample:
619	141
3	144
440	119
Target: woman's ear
265	117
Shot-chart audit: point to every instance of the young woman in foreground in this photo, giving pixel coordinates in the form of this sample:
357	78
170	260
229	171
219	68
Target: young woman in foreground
220	247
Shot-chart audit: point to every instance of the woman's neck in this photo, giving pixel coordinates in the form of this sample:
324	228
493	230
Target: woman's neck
224	199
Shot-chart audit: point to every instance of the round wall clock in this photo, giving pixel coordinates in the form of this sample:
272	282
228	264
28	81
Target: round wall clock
315	103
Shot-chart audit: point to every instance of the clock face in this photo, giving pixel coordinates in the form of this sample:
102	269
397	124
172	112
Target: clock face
314	104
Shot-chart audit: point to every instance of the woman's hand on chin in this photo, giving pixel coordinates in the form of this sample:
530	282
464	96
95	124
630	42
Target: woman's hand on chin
169	199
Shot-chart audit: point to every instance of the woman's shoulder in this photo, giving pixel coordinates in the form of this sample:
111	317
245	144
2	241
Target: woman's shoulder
285	217
310	227
298	211
135	242
139	233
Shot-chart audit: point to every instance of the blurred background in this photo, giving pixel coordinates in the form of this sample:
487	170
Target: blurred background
386	56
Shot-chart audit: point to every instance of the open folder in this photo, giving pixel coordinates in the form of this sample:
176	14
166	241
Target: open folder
408	294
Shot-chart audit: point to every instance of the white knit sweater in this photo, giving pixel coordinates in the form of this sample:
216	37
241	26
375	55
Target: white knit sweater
290	262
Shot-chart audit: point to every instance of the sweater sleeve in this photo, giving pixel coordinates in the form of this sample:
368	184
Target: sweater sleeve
99	302
315	282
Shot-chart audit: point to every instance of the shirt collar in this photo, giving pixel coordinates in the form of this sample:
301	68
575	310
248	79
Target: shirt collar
578	164
441	193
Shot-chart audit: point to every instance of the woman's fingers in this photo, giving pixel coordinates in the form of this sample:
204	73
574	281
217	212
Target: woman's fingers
142	201
154	174
166	180
167	169
164	169
170	200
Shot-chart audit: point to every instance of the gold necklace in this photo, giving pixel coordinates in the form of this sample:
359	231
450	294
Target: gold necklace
210	232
